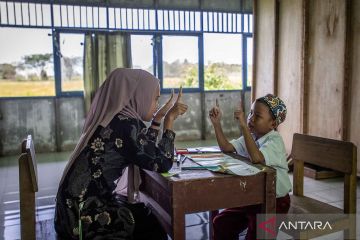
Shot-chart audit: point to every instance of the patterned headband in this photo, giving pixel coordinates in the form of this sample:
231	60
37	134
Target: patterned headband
277	107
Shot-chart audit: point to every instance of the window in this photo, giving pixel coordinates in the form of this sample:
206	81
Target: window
72	57
142	52
222	61
180	61
24	70
200	50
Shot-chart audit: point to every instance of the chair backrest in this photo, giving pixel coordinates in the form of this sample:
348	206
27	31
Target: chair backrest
27	147
329	153
28	185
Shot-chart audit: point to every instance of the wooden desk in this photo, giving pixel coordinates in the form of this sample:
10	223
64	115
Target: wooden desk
202	190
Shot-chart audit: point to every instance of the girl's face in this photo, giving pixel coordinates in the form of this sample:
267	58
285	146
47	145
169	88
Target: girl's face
260	120
154	105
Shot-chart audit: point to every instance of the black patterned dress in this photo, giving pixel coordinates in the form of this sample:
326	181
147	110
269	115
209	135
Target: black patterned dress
86	206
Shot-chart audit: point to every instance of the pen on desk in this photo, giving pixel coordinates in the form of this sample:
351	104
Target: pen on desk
183	158
178	158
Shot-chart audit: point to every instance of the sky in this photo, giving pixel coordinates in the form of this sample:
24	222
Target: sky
17	42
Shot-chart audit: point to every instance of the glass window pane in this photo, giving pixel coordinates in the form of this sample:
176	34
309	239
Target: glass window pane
142	52
26	63
249	60
72	57
222	61
180	62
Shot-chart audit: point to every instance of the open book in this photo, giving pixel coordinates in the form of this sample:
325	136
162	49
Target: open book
223	163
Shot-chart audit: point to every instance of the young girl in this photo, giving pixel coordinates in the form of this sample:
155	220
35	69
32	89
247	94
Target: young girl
89	202
261	143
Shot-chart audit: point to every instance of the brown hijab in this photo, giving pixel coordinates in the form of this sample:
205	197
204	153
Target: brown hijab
125	91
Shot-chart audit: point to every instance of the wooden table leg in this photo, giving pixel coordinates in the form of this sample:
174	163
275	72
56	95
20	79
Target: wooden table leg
212	215
270	193
178	223
269	206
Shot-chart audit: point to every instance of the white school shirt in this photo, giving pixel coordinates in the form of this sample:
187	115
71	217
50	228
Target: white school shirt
272	147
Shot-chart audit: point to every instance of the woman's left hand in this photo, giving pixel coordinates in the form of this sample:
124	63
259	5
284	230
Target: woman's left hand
179	108
160	114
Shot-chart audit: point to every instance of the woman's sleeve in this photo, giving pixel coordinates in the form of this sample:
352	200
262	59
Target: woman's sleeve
139	147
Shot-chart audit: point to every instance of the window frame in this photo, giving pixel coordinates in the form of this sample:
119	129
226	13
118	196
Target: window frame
158	57
159	50
200	17
57	64
245	62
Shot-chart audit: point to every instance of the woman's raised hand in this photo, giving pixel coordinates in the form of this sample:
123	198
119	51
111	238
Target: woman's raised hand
179	108
158	116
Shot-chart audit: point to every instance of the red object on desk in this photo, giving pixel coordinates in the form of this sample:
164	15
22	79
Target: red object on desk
182	151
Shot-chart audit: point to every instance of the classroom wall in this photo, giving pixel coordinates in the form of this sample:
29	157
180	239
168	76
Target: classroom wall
56	123
264	46
316	67
21	117
289	66
325	62
228	102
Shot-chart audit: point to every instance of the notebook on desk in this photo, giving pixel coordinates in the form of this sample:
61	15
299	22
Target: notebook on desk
222	163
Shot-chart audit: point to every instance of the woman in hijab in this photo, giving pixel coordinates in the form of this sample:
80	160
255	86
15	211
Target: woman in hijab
97	196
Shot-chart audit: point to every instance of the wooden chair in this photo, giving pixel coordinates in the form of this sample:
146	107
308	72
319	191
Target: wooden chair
28	186
333	154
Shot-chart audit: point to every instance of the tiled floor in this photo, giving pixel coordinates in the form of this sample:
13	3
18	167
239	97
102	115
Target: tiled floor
50	167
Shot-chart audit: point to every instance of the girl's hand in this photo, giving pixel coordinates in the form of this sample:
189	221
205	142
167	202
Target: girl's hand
160	114
215	113
179	108
240	115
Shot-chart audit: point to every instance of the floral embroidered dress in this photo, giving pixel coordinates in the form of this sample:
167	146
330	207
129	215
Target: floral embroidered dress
87	191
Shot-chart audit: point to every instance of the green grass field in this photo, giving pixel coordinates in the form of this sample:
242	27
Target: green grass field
9	88
12	88
175	82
